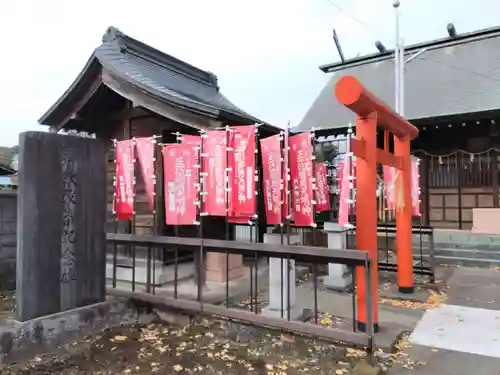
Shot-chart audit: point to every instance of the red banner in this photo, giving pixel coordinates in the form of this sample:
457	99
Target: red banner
179	184
390	183
146	154
322	191
242	172
195	141
214	164
415	188
124	201
301	179
272	178
347	169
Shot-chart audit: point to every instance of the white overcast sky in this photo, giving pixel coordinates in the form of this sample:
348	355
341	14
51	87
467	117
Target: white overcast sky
265	52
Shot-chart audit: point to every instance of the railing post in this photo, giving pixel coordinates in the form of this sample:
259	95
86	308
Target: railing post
370	326
459	166
432	260
494	176
426	188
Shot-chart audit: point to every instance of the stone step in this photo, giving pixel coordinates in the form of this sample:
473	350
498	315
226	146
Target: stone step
467	238
459	252
466	253
468	246
465	261
458	246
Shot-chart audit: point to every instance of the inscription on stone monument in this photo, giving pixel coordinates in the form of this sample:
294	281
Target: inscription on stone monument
68	237
68	177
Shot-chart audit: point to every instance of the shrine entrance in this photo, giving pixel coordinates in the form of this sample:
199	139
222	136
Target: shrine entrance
373	114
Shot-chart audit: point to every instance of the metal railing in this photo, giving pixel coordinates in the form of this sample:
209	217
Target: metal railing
423	249
423	246
256	254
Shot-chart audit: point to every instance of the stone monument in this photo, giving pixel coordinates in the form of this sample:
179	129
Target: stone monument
61	239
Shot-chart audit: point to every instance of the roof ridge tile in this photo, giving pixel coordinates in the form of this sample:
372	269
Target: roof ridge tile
128	44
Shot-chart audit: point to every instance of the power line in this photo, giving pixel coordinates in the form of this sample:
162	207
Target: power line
368	27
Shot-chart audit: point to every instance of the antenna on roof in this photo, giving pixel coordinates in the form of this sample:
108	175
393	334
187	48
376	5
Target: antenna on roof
451	30
380	46
337	44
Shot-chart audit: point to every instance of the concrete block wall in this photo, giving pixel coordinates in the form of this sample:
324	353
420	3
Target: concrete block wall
8	239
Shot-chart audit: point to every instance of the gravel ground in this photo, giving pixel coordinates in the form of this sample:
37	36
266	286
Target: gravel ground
208	347
203	348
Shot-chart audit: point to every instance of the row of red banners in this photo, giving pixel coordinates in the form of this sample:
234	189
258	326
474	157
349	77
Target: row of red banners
302	166
182	163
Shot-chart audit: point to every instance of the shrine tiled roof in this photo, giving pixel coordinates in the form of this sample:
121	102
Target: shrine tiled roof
156	74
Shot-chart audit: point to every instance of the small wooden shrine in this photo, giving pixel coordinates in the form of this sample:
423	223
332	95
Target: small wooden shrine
128	89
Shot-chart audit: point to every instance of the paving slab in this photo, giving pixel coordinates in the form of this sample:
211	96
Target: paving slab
463	336
460	328
475	287
431	361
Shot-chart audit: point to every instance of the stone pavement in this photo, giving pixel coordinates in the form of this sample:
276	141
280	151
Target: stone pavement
461	337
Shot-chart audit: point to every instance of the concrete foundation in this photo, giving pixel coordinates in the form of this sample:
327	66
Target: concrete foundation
20	340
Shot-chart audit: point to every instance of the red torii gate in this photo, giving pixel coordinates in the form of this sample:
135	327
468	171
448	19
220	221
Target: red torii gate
372	113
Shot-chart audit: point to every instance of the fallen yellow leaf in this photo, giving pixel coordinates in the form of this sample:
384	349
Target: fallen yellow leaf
178	368
120	338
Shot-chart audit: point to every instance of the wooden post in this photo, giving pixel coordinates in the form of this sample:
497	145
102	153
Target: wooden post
494	176
460	180
366	214
404	218
426	188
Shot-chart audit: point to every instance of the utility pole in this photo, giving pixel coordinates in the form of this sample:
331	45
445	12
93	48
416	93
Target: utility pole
399	64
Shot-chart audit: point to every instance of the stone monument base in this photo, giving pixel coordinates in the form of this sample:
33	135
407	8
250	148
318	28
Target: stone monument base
339	279
224	267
